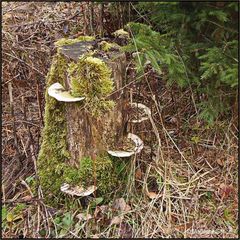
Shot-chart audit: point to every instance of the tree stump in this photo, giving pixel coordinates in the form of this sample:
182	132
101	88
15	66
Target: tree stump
73	137
86	134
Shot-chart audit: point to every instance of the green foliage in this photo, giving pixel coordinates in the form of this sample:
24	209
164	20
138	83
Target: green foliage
197	43
154	47
223	70
64	224
91	78
11	215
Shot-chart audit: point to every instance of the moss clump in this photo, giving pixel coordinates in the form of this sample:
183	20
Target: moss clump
53	153
106	176
66	41
91	78
121	33
105	46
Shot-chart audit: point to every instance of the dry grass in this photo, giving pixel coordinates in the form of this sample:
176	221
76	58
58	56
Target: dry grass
184	182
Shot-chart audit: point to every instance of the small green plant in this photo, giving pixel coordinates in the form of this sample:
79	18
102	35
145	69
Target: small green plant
106	46
195	139
12	216
4	216
64	224
95	202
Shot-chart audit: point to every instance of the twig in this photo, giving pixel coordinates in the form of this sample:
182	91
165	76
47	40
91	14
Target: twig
13	123
39	104
33	199
101	14
26	185
92	18
190	86
28	128
10	55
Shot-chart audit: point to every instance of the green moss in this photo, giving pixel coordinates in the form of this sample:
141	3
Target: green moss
105	46
106	176
66	41
53	153
121	33
90	77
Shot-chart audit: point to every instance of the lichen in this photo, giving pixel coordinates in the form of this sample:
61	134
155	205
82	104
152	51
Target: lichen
91	78
66	41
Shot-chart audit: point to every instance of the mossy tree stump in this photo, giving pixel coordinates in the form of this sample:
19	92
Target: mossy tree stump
88	134
77	135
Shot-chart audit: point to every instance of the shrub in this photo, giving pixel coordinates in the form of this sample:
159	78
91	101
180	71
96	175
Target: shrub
198	43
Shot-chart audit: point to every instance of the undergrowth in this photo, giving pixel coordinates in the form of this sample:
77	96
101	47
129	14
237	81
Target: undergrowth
196	46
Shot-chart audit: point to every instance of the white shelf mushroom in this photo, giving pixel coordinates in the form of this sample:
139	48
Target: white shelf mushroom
145	109
121	153
57	91
77	190
138	142
138	147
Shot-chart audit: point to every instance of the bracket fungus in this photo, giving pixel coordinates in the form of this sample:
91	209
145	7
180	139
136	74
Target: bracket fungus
57	91
138	147
121	154
137	141
145	109
78	190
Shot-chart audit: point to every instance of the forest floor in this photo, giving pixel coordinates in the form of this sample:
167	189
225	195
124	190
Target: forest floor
190	191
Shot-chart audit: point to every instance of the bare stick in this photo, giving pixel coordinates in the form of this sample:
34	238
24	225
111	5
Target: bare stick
13	122
39	104
92	18
101	19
